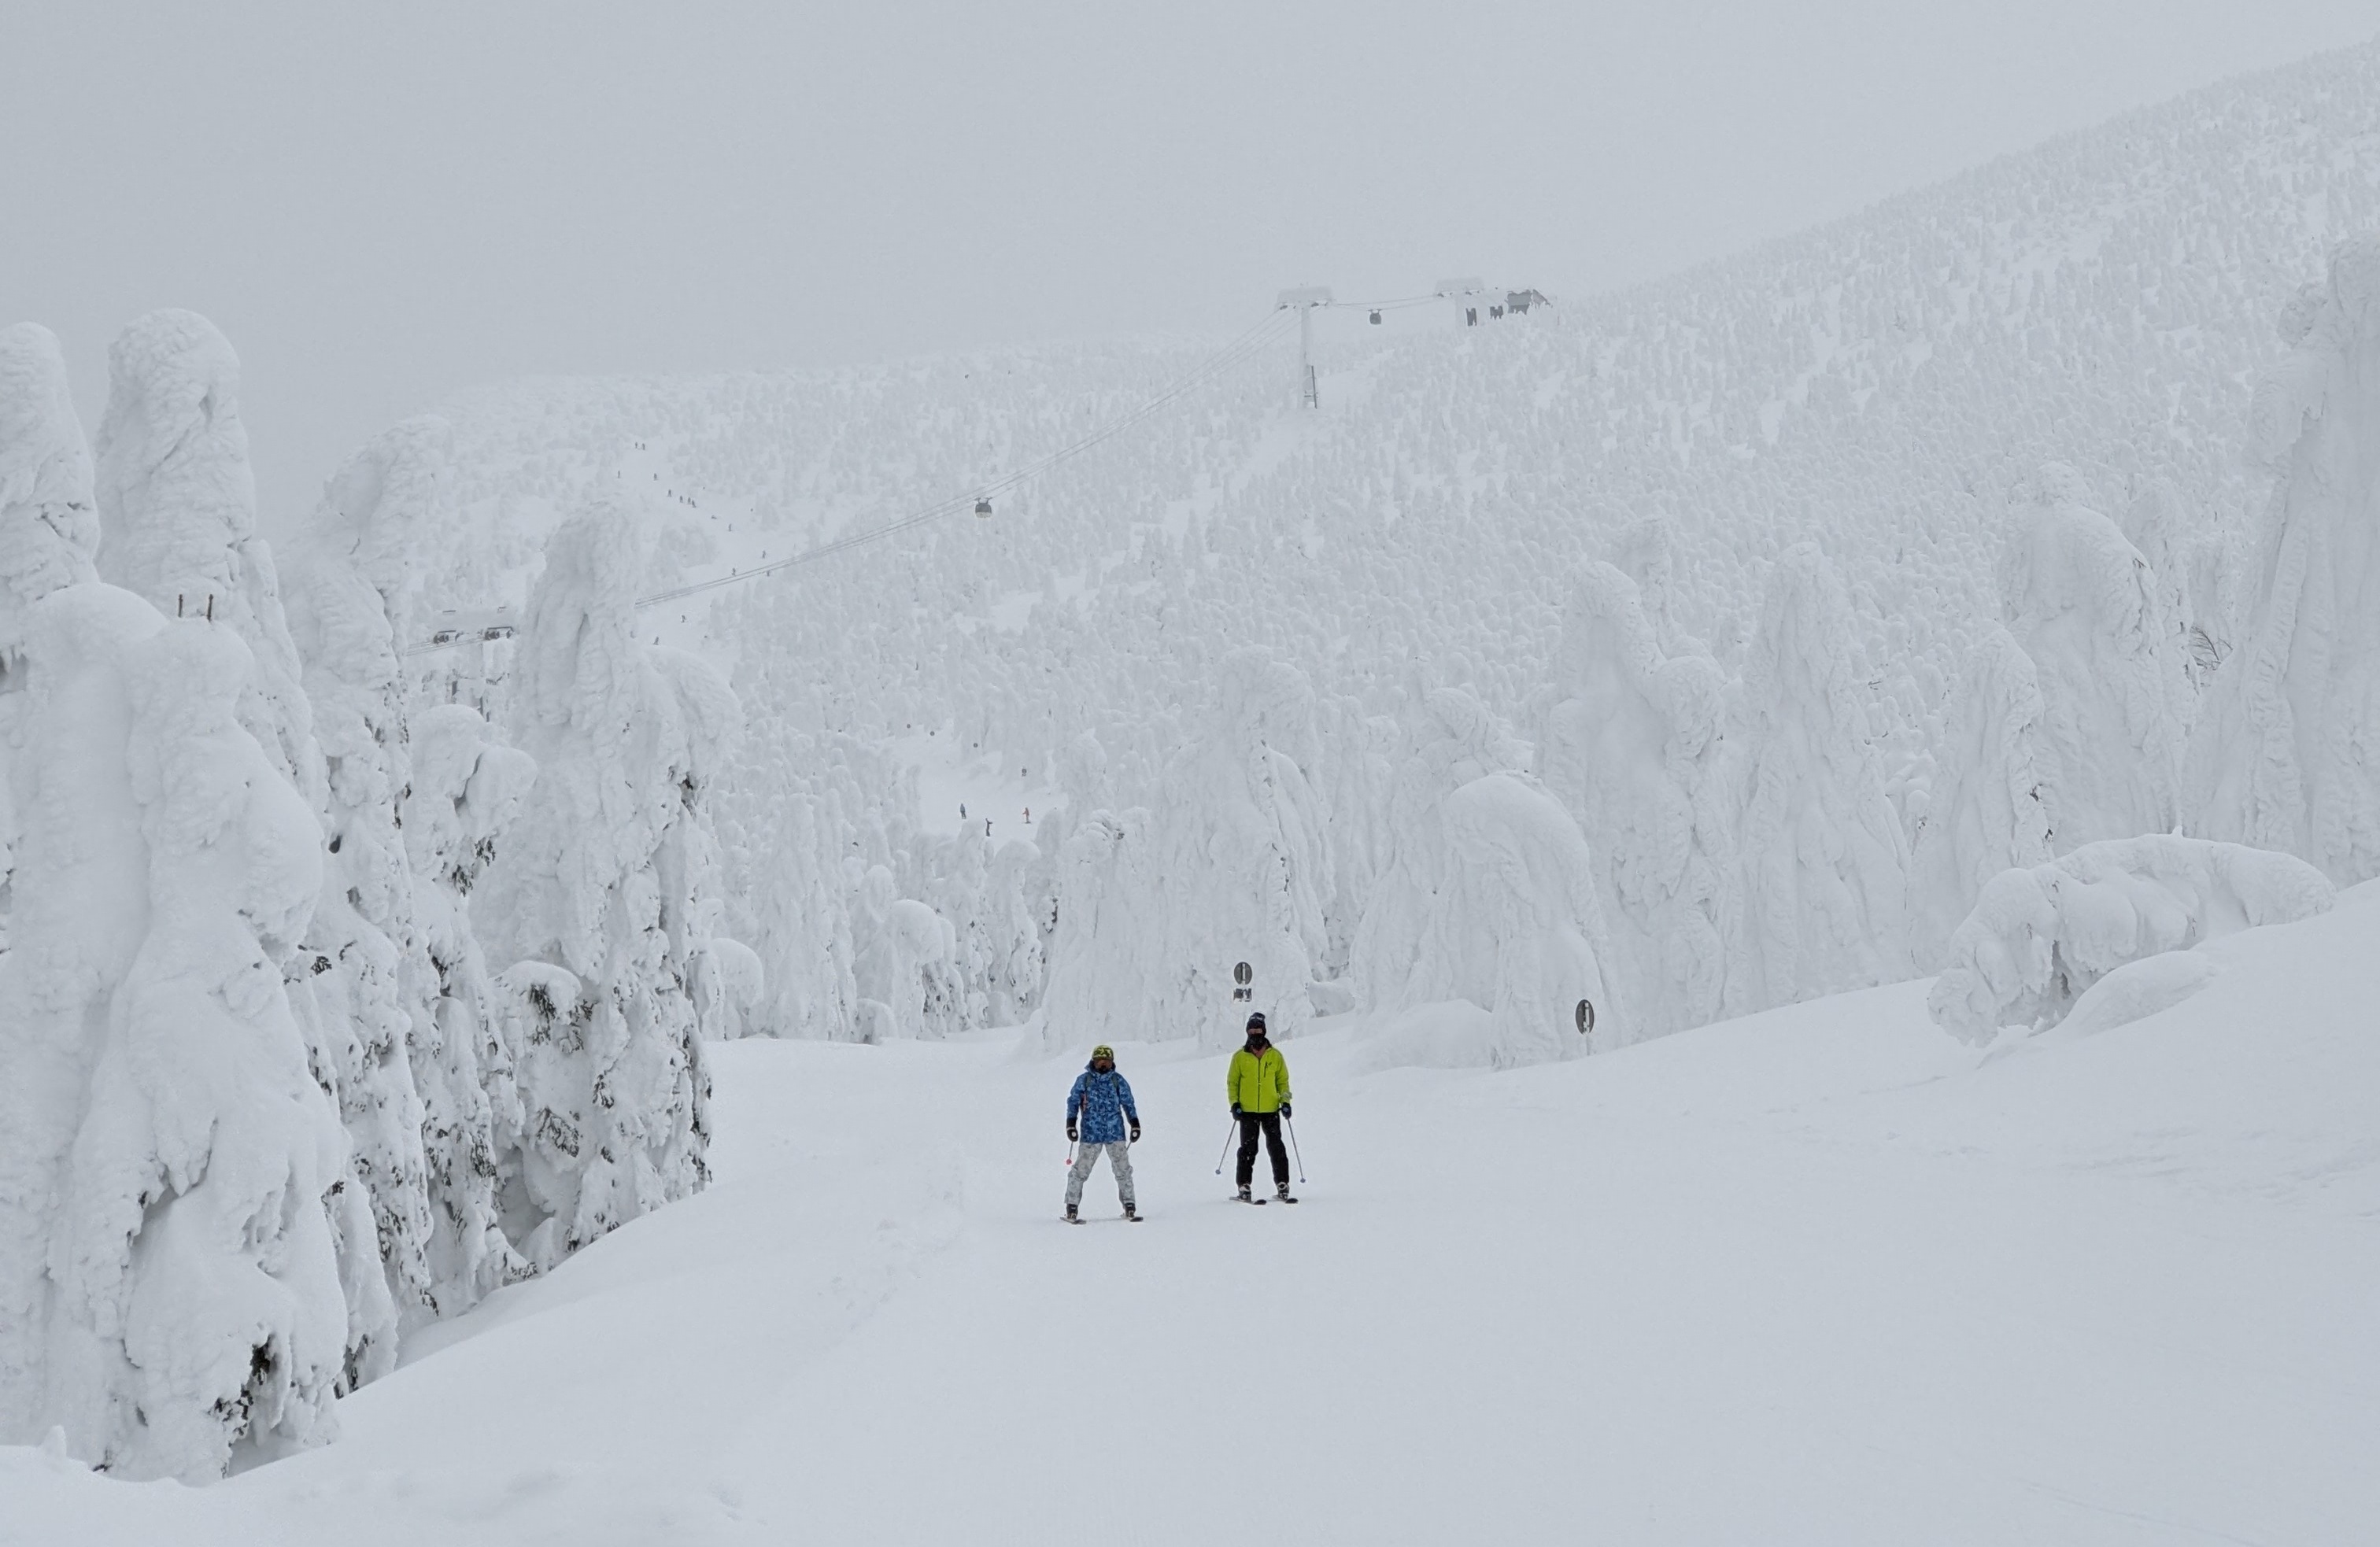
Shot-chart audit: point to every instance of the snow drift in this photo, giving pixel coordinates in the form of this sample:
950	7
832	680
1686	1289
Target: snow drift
2039	939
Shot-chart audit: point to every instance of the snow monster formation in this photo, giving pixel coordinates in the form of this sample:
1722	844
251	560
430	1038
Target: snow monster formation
170	1170
1629	743
1987	812
350	597
1515	928
1455	742
1246	872
1825	868
2287	753
591	902
2109	662
1153	915
177	505
2040	939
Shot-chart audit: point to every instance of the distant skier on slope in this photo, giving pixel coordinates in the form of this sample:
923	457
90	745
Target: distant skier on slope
1097	1110
1257	1084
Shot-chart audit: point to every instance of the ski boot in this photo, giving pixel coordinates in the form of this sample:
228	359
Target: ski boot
1071	1217
1247	1197
1281	1192
1130	1217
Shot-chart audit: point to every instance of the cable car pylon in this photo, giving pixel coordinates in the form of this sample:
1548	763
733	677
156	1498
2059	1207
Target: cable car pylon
1304	299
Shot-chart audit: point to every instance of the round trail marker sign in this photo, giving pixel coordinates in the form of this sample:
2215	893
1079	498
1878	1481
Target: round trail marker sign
1242	974
1584	1016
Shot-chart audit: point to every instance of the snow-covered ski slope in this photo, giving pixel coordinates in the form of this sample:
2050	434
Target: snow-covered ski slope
1821	1275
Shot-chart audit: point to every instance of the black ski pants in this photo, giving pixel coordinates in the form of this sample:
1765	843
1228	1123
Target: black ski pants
1268	1124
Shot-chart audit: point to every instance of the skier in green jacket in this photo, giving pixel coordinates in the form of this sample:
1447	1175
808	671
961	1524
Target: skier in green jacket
1257	1087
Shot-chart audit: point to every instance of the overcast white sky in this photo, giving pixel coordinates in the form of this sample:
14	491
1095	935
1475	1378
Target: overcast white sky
380	203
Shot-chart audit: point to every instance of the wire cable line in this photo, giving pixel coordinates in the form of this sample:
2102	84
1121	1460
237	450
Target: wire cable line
1239	350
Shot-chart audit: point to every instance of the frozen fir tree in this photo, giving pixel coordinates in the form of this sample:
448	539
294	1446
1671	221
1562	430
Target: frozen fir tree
1630	742
902	962
177	505
76	868
2111	666
352	598
177	511
1825	868
588	901
1985	811
1454	742
1516	929
170	1172
199	1310
464	791
2284	754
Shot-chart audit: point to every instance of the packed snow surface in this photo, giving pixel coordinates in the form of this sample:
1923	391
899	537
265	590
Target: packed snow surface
1819	1274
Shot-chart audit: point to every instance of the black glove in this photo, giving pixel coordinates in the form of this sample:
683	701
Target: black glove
1284	1109
1235	1108
1135	1133
1070	1133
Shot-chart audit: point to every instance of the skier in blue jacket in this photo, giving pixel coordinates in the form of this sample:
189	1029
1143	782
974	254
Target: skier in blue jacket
1097	1110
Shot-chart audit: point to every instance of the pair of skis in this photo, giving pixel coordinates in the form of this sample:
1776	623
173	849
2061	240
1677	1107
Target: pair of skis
1136	1218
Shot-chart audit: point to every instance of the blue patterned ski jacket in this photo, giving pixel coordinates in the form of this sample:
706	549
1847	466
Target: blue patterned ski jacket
1104	1101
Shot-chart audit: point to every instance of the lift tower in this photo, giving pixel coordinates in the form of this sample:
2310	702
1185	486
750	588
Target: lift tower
1306	299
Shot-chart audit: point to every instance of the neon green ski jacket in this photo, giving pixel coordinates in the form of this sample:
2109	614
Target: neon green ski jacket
1257	1084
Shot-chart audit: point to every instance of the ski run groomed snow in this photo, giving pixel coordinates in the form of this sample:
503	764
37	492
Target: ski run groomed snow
1818	1276
1810	833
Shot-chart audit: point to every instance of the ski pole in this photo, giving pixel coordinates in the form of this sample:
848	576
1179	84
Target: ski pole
1070	1157
1293	1149
1227	1145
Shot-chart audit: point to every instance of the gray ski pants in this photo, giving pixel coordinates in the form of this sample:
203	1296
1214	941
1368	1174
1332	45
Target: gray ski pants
1119	1155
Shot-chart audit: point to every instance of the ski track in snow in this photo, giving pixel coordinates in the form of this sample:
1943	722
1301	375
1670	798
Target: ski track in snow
1820	1274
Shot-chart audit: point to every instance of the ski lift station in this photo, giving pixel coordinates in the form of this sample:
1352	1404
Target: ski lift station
473	625
1463	301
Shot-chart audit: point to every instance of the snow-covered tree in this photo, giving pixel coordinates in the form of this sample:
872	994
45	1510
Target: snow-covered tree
2040	938
1106	953
1455	741
1358	764
1244	871
76	868
201	1306
1012	974
2157	525
1630	744
1825	881
587	899
1515	927
177	504
2285	753
177	508
49	527
464	791
351	596
2110	663
1985	812
170	1172
903	963
1153	913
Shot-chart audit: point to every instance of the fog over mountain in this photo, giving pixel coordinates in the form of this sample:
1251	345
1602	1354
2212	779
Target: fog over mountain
1796	778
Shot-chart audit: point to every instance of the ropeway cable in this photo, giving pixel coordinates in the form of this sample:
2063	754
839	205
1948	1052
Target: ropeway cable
1239	350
